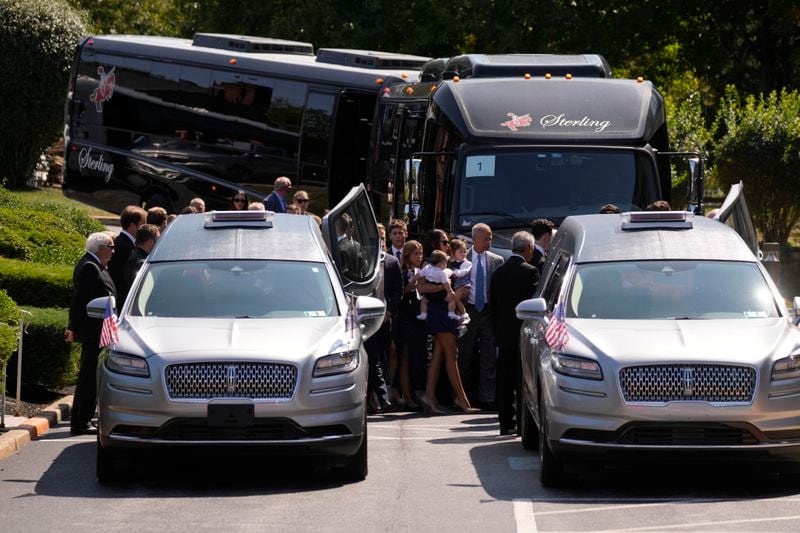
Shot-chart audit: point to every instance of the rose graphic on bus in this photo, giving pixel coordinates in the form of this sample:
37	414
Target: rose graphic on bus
105	89
515	121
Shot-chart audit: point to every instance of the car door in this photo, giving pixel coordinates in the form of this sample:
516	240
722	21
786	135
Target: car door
351	232
735	213
539	347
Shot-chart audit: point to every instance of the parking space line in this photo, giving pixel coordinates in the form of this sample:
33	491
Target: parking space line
706	524
524	516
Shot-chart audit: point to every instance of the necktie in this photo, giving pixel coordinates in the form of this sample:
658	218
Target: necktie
398	255
480	282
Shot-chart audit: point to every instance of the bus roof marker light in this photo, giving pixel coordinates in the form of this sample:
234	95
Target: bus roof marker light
527	76
90	42
232	61
456	79
640	80
568	76
404	75
547	76
378	81
409	90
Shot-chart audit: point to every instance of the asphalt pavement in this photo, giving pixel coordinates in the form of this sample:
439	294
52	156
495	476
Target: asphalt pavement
444	473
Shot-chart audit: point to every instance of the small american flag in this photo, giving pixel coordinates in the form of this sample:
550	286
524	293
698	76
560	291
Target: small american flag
108	335
556	334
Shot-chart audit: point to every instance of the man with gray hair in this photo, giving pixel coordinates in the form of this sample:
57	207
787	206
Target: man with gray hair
90	280
478	353
199	205
276	201
514	281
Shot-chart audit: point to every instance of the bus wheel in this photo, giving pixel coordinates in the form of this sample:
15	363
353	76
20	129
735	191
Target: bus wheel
158	200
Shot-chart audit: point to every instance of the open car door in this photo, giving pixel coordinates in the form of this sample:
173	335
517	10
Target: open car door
735	213
351	232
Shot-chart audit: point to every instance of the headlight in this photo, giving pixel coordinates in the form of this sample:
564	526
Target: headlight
786	368
127	364
338	363
577	367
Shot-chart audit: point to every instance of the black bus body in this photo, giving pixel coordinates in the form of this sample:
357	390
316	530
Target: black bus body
508	150
158	121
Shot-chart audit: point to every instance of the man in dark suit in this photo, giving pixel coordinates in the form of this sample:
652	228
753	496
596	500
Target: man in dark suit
131	218
477	351
542	230
514	281
91	280
277	199
377	346
146	237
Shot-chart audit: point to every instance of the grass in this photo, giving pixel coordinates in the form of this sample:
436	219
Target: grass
57	197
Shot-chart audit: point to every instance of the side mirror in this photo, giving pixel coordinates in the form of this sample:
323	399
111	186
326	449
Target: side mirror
696	184
369	313
410	179
97	307
796	309
531	309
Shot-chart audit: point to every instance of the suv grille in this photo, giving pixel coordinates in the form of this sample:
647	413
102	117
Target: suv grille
691	382
200	381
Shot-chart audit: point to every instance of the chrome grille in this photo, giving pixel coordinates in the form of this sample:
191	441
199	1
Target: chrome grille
198	381
688	382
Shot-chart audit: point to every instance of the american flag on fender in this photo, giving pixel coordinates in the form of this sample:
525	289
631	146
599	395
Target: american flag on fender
108	334
556	334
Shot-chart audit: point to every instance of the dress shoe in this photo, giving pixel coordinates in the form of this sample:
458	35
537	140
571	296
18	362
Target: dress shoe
465	409
510	430
87	429
390	408
429	406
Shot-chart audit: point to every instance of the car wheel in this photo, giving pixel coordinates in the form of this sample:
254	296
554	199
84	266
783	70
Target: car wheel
356	467
158	200
107	469
551	470
528	430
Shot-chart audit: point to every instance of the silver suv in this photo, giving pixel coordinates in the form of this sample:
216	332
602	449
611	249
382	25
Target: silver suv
656	333
246	328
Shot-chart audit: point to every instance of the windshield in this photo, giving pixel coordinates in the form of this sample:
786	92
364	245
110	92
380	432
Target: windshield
235	289
512	188
659	290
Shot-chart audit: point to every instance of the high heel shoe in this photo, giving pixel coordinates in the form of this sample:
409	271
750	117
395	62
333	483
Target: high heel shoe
429	406
466	409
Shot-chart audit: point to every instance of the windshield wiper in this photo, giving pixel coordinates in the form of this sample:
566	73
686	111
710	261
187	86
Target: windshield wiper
507	216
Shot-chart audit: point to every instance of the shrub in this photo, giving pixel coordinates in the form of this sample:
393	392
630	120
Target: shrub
31	284
42	232
9	314
761	146
37	43
47	360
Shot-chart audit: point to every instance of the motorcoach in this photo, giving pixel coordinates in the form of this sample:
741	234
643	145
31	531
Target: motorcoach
157	121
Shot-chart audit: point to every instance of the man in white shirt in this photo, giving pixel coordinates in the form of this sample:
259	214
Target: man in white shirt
478	352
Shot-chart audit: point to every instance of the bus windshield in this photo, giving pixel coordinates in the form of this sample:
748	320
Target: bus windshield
507	188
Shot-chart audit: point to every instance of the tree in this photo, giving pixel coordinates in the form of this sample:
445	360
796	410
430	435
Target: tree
37	43
761	146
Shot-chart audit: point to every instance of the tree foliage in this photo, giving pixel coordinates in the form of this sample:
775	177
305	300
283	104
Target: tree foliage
761	146
37	41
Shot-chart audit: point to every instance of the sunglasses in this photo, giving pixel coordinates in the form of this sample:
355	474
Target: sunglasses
109	246
302	200
445	241
238	200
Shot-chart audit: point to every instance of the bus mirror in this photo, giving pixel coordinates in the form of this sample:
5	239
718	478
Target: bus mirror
410	173
696	183
412	211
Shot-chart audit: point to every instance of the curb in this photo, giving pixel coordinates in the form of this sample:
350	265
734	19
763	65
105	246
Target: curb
33	428
107	220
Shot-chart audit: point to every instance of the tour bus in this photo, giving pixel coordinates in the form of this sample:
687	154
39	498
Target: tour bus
156	121
545	137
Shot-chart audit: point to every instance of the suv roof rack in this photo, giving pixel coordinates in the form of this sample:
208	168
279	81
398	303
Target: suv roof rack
369	59
238	219
639	220
245	43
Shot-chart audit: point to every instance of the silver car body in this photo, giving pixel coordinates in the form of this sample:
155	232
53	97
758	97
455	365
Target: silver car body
646	357
201	364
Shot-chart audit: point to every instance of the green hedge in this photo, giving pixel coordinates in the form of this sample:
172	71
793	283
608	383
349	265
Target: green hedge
42	232
47	360
31	284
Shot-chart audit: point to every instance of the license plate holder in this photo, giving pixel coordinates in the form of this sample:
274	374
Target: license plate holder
231	415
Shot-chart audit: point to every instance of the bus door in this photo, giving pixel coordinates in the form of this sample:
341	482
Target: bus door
314	163
351	141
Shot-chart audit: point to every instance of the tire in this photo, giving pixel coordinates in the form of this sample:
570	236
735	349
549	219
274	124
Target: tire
107	469
158	200
527	428
356	468
551	469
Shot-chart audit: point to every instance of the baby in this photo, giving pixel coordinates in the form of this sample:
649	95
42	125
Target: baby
436	272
